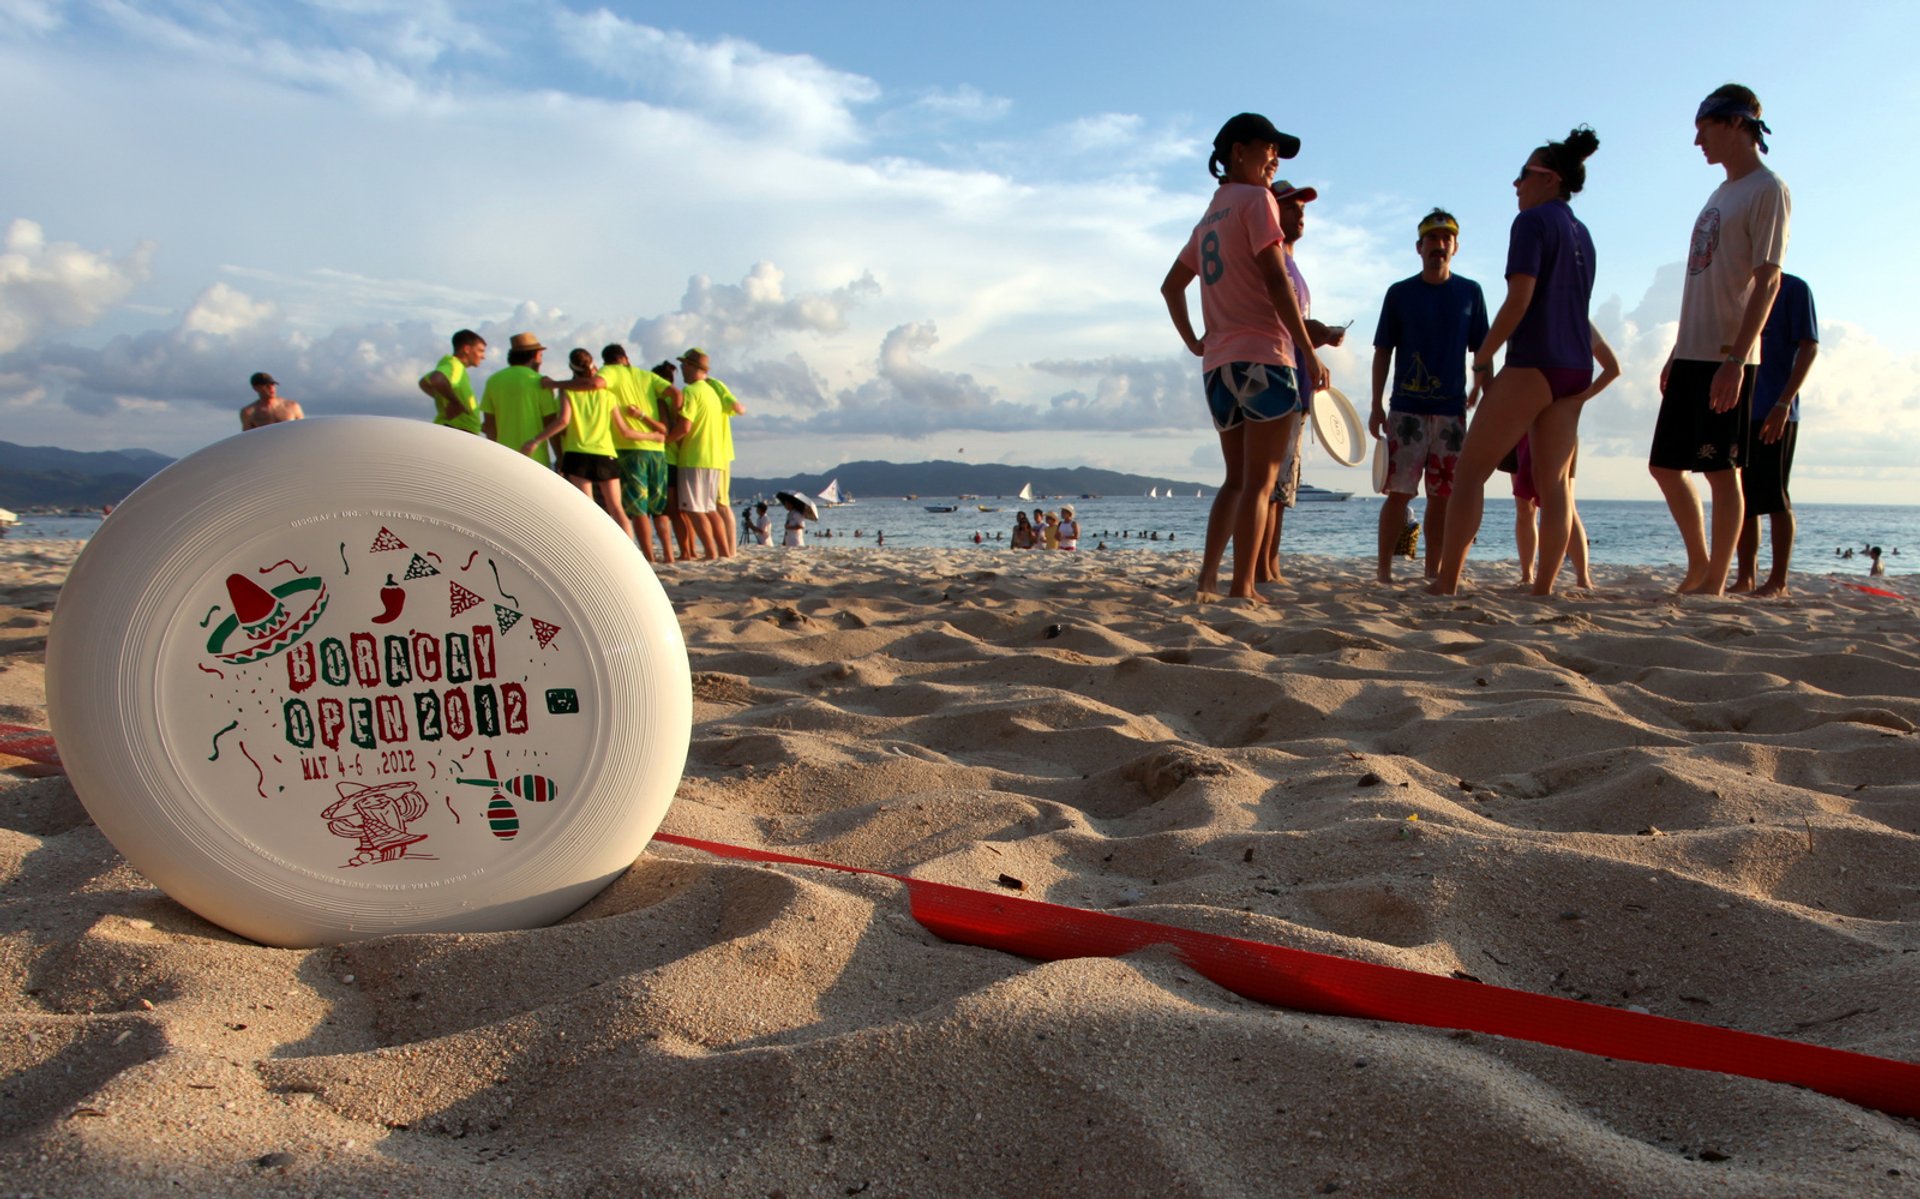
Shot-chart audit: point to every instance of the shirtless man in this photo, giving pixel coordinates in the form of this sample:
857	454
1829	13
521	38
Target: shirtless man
269	409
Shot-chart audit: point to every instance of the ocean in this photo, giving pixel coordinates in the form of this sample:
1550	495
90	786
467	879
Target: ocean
1621	532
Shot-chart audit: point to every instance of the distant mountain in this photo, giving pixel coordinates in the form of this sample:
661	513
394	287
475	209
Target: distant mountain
47	476
947	479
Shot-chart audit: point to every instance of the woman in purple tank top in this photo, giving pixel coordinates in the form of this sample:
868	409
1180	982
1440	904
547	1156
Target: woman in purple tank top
1548	374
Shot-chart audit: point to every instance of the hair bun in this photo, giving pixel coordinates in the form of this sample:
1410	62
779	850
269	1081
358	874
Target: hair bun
1582	142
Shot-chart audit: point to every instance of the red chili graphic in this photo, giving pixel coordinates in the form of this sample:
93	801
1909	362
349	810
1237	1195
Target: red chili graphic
393	597
284	562
209	669
470	558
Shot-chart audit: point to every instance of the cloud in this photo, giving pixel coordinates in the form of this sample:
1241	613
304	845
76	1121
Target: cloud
906	397
787	97
59	286
733	316
1147	395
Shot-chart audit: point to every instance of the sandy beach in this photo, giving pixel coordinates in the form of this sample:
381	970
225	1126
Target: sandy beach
1699	808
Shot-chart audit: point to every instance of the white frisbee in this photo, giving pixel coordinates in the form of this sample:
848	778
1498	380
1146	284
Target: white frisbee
337	678
1339	427
1381	465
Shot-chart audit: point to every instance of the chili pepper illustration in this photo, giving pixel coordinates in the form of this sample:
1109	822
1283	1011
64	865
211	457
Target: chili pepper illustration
393	597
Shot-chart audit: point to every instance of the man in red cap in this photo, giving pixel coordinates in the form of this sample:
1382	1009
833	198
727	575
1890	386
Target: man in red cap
269	408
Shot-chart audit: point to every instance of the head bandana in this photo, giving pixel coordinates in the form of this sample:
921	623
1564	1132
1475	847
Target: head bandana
1737	112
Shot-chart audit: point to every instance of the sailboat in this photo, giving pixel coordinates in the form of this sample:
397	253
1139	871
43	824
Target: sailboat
1026	492
1153	493
1196	493
831	497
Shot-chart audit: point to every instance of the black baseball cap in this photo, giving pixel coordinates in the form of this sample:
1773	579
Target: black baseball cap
1252	127
261	379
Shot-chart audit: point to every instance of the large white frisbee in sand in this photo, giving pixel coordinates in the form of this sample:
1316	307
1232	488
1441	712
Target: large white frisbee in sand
1338	426
337	678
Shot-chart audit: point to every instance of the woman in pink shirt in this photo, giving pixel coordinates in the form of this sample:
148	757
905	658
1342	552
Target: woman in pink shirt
1247	360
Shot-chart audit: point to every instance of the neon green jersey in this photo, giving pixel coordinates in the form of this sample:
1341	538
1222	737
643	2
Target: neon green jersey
468	418
519	407
703	446
638	393
727	407
591	429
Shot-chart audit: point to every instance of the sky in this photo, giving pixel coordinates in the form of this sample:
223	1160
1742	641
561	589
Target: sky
901	232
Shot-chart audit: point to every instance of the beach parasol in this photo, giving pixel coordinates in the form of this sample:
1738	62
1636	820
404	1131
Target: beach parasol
797	503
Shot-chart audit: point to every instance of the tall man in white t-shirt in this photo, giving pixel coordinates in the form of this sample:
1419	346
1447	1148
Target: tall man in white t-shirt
1733	274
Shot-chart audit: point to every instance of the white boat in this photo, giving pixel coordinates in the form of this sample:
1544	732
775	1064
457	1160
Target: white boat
1196	493
1309	494
1153	493
1026	492
830	495
7	521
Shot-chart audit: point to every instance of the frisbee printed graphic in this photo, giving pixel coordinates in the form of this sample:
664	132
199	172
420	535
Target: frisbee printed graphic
267	622
280	688
374	716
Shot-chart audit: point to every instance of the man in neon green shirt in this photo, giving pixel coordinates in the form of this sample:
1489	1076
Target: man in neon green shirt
515	408
703	456
730	407
449	388
643	462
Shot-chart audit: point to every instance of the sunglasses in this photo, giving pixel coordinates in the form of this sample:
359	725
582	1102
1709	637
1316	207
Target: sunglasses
1530	169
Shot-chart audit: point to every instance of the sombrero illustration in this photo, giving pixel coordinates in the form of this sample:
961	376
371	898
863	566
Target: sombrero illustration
267	621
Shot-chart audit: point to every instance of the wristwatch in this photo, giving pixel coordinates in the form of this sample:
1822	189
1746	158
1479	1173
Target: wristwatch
1735	360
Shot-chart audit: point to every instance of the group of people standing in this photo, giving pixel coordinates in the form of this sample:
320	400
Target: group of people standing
1747	338
656	457
1045	530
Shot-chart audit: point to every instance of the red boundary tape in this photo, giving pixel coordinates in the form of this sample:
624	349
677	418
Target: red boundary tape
1318	982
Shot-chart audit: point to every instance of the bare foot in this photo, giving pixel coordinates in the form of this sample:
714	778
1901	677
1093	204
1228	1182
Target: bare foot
1740	586
1205	595
1692	582
1252	598
1771	589
1437	587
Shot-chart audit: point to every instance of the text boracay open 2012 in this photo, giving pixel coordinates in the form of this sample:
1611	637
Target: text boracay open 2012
467	705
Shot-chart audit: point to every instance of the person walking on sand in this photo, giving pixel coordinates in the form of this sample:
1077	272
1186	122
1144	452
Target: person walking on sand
1292	202
515	407
449	388
1788	345
1548	374
1429	323
268	408
1253	326
1706	387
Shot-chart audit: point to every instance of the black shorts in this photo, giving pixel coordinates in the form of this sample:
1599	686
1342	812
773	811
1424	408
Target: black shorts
594	468
1764	478
673	489
1690	435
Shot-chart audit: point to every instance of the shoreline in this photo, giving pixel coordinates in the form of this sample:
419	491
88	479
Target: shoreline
1696	807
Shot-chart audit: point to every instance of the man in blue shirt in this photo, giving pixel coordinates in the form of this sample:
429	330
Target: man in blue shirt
1788	344
1428	325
